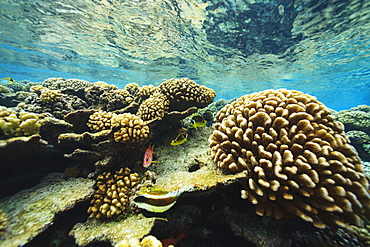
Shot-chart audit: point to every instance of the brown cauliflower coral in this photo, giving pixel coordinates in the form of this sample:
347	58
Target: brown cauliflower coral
184	93
296	158
131	128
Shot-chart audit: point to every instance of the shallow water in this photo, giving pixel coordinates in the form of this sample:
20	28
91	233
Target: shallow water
234	47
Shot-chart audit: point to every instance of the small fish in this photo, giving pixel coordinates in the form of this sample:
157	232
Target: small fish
197	121
180	130
157	201
6	81
148	156
180	138
208	115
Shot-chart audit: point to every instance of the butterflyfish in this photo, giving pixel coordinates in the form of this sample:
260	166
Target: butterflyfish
208	115
7	81
157	201
180	138
197	121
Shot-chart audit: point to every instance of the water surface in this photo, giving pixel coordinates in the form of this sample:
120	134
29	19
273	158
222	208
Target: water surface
233	46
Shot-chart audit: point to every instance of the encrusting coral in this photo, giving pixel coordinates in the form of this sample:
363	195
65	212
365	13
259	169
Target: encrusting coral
130	128
296	158
100	120
184	93
23	123
112	197
154	107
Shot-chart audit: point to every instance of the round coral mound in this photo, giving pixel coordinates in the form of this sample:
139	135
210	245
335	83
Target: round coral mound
295	156
131	128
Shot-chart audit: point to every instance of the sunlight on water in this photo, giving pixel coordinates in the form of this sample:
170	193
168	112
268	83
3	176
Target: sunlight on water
235	47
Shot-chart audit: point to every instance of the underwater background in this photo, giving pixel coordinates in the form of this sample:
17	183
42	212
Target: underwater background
155	123
234	47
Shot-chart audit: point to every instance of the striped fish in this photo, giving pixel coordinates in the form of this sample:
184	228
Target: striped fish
157	201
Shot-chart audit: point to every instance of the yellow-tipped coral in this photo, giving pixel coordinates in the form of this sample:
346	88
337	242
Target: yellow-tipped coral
100	120
296	158
18	124
131	128
154	107
112	198
184	93
50	96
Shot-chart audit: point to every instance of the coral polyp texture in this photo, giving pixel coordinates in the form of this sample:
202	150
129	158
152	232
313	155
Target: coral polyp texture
22	123
63	84
154	107
296	158
50	96
130	128
100	120
112	197
184	93
3	222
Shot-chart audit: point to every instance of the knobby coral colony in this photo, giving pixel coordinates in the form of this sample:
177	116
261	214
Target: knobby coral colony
112	197
295	157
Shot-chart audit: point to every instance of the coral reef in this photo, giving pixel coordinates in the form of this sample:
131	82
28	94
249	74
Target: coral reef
356	118
65	84
31	211
100	120
50	96
5	90
130	128
18	124
37	89
52	104
93	230
361	141
148	241
363	233
357	125
153	108
112	197
184	93
3	222
295	157
109	98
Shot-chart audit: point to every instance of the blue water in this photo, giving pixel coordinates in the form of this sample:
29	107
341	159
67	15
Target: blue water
234	47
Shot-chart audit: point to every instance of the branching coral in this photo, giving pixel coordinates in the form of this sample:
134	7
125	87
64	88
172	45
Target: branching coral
18	124
131	128
296	158
100	120
112	197
154	107
184	93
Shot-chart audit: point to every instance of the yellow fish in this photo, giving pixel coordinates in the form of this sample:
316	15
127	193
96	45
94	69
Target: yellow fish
9	81
197	121
180	139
